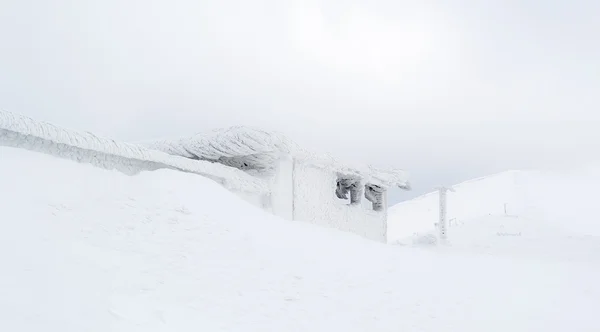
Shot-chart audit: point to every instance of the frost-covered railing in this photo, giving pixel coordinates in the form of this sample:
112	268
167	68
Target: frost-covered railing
24	132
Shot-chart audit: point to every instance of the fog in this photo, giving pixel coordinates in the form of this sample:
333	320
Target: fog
448	90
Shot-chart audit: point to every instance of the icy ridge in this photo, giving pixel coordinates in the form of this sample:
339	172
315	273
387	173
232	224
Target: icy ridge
23	132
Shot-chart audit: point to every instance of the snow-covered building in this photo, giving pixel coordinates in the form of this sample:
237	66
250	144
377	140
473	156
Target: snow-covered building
265	168
302	185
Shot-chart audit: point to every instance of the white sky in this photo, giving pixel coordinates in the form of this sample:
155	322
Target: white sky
448	90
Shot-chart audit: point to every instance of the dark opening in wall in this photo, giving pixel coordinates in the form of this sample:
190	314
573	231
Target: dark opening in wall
346	186
374	194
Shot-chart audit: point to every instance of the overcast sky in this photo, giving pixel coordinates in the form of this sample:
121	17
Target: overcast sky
448	90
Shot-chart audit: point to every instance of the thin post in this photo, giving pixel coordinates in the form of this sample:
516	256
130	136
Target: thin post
442	223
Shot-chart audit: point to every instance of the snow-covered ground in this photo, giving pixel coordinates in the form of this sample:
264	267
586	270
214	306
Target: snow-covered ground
87	249
525	238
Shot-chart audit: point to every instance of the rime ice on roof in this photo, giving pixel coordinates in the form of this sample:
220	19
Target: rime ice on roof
24	132
256	151
245	148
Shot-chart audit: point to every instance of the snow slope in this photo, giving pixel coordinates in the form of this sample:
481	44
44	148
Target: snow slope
565	199
472	199
88	249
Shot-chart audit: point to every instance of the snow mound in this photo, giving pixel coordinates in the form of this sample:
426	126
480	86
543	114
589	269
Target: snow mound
23	132
88	249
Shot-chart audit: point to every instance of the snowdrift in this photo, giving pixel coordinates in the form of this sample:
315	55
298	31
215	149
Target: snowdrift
88	249
23	132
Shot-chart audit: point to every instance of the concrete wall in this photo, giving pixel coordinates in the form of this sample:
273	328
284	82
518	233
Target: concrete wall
302	192
281	198
315	202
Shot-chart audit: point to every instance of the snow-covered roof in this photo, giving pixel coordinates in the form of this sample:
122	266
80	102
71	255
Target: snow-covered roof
15	130
256	150
245	148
